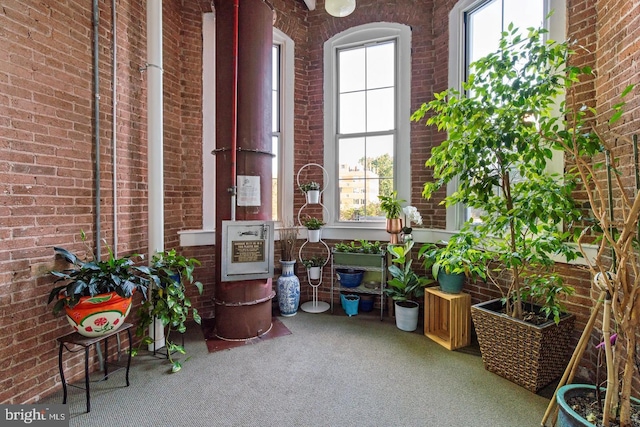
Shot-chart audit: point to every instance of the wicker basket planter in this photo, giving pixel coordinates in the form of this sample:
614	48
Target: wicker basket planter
529	355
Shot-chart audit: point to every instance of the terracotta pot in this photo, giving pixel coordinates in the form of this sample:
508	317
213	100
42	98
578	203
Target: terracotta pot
95	316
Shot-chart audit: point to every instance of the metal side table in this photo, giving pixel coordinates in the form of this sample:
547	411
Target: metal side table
86	343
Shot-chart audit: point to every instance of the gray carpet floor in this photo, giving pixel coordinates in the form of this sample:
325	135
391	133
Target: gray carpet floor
332	370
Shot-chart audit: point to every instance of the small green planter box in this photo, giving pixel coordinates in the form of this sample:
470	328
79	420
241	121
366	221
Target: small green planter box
357	259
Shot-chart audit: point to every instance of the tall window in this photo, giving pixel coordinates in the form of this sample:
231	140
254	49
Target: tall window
275	129
475	27
367	72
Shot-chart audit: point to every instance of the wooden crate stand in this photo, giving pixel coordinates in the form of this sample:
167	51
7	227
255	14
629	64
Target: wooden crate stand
447	318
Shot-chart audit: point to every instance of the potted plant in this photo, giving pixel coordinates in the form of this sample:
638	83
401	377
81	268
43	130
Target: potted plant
314	266
404	286
311	191
96	294
453	261
495	151
313	226
168	301
615	266
288	284
391	206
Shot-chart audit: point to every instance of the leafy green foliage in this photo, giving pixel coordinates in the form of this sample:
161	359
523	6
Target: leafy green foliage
405	284
308	186
390	205
168	301
496	151
312	223
314	261
360	246
95	277
459	255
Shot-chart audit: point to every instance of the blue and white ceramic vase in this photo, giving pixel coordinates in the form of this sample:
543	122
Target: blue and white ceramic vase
288	290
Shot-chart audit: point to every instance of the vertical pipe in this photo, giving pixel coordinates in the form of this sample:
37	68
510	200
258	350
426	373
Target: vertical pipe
155	126
234	108
114	107
155	130
96	119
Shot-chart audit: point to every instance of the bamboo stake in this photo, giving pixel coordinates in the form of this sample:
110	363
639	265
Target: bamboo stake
572	367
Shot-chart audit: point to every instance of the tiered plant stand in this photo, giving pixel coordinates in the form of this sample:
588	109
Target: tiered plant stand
314	306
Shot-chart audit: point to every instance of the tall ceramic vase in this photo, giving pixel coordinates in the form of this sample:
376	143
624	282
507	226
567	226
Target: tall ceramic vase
288	289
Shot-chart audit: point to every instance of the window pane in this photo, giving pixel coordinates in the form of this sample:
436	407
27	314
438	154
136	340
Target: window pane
275	147
351	74
524	14
352	113
381	65
275	89
485	26
380	110
365	171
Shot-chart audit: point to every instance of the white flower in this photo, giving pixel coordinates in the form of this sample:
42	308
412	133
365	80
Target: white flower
412	215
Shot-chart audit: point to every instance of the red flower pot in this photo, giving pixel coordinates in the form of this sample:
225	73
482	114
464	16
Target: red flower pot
95	316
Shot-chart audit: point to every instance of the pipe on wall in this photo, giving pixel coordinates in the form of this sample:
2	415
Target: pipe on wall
155	146
114	109
96	124
155	130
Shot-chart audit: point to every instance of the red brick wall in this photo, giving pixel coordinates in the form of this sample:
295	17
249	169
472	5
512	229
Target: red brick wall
47	172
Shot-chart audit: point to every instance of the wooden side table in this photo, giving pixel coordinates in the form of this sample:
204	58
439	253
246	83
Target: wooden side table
86	343
447	318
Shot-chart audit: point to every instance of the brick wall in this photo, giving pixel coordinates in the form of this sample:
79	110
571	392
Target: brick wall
47	168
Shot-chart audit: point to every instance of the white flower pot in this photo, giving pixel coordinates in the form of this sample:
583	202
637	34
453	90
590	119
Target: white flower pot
407	315
313	197
313	235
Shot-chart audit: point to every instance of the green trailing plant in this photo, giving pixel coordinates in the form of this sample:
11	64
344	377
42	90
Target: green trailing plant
405	284
390	205
95	277
457	256
495	151
314	261
168	302
308	186
312	223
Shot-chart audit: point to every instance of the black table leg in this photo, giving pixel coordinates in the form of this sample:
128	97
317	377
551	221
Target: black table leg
106	358
64	382
129	358
86	377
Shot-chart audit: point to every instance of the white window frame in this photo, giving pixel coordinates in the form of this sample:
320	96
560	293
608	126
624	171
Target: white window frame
457	73
402	175
206	235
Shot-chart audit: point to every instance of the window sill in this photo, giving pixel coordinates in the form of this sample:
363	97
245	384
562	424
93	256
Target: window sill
347	233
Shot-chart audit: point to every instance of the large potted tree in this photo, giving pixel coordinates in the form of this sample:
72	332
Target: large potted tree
495	152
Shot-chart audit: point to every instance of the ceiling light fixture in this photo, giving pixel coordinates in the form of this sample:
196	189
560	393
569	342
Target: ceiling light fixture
340	8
